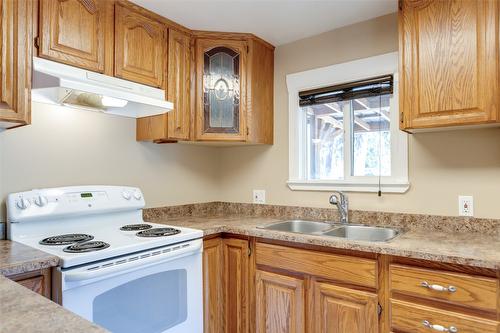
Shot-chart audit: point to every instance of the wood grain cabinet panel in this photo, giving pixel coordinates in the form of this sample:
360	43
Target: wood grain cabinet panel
280	303
77	33
37	281
178	84
236	281
16	34
176	124
139	46
343	310
352	270
448	63
213	292
226	285
466	290
413	318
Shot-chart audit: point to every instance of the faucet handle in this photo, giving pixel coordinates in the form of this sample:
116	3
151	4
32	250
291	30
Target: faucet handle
338	196
334	200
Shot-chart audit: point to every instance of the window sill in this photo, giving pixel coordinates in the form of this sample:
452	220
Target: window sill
323	185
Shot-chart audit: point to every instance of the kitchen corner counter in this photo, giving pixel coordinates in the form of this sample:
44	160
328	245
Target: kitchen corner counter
16	258
472	249
23	310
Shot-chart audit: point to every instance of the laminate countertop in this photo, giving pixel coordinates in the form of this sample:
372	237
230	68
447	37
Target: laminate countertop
17	258
22	310
472	249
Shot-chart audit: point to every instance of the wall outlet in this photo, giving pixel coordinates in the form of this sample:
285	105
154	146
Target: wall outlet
465	205
259	196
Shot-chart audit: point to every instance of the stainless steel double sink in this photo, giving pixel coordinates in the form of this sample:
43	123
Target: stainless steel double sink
347	231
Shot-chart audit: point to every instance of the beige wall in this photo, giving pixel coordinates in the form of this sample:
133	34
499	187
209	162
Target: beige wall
71	147
441	166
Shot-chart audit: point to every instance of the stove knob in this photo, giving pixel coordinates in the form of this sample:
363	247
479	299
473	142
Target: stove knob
137	195
23	203
126	195
41	201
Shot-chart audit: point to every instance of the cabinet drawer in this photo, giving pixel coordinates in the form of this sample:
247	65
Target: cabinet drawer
352	270
413	318
460	289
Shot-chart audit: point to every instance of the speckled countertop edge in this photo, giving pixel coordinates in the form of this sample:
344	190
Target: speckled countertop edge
23	310
17	258
476	249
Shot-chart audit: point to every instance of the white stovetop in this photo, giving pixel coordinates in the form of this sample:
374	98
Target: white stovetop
96	210
121	242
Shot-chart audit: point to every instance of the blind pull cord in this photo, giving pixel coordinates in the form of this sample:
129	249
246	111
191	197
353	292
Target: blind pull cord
379	146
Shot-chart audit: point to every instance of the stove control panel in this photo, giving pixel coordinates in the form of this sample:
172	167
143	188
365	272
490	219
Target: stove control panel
75	200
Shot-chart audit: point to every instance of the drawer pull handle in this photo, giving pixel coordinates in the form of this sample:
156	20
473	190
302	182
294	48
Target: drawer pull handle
440	328
437	287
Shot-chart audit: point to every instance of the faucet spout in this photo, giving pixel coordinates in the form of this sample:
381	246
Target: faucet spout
340	200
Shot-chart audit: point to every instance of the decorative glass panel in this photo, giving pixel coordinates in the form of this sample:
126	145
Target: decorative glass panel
221	90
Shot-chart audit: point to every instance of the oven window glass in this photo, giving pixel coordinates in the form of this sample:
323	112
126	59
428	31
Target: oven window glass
153	303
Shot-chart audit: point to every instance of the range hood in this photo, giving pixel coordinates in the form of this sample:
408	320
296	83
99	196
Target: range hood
56	83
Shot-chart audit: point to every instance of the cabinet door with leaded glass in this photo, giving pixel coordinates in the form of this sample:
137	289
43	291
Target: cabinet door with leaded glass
221	94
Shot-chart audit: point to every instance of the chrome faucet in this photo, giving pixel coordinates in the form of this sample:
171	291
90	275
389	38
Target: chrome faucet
340	200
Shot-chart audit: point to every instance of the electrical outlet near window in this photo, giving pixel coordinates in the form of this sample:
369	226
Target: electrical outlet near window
465	205
259	196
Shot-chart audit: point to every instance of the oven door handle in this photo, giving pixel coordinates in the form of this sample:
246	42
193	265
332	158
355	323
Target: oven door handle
82	274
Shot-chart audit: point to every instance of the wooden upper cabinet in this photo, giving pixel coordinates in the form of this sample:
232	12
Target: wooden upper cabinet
77	33
178	84
221	85
448	63
221	90
139	46
176	124
16	34
343	310
280	303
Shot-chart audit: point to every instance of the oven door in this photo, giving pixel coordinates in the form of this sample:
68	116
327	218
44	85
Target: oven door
154	291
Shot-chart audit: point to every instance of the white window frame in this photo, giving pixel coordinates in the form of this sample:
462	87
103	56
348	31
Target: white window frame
331	75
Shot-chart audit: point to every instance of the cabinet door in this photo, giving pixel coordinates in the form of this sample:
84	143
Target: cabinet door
343	310
78	33
236	265
37	281
221	90
138	47
279	303
449	63
16	34
213	293
178	84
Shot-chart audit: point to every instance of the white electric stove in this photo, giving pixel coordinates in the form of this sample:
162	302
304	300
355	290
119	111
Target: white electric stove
116	270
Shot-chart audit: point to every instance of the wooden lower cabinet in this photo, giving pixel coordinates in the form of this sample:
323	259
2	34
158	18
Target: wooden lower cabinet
311	294
343	310
415	318
212	285
37	281
282	287
226	285
280	303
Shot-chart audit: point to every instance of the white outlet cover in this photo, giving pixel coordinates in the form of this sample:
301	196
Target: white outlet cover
465	205
259	196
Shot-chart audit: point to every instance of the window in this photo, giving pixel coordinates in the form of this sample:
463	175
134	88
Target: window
344	128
